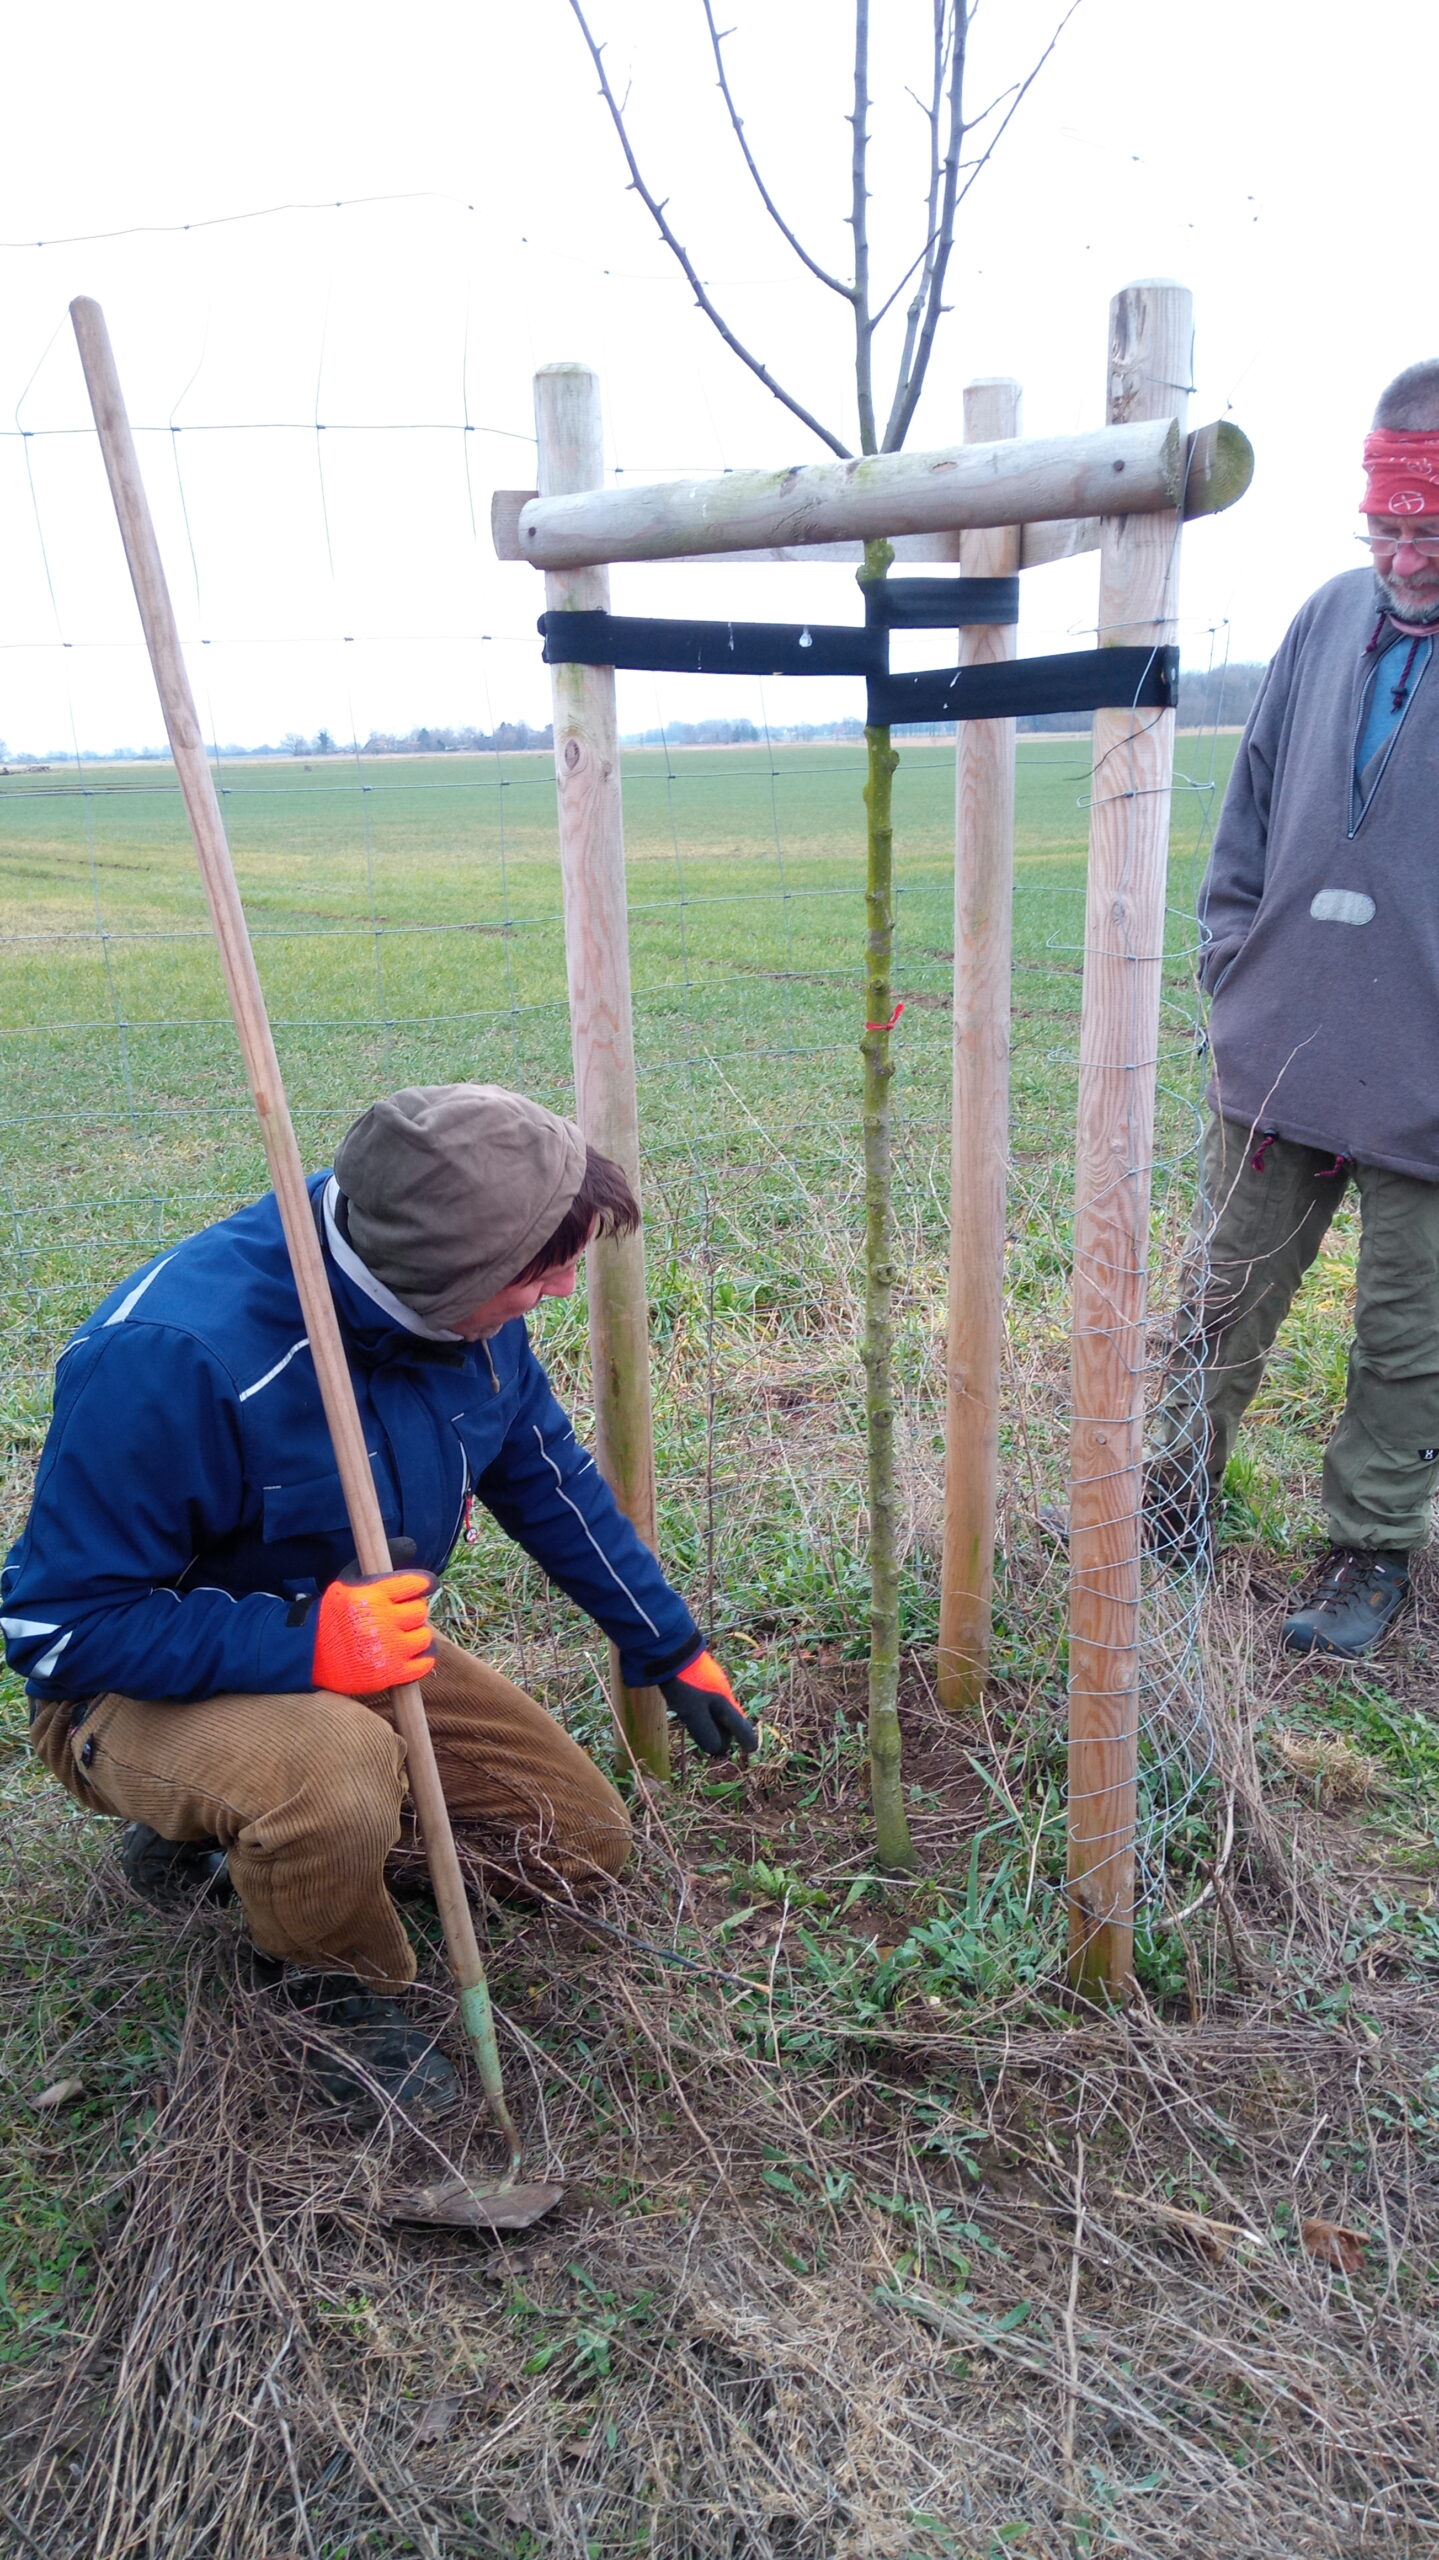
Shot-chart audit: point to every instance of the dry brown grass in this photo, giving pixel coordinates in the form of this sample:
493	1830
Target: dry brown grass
941	2281
775	2316
1338	1772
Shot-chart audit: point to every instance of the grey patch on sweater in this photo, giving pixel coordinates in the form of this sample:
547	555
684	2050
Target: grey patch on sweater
1341	906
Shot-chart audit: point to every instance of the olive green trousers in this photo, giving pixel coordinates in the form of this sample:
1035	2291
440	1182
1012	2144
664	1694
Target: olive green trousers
1267	1209
306	1794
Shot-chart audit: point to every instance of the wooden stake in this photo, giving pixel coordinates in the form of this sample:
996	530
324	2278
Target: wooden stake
1150	354
569	426
979	1129
282	1154
893	1845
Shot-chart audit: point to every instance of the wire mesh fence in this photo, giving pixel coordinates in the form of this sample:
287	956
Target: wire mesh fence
406	912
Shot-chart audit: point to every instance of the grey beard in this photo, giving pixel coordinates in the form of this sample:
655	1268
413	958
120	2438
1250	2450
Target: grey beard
1391	605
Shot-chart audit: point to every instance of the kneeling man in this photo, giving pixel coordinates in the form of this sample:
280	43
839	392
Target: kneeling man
202	1660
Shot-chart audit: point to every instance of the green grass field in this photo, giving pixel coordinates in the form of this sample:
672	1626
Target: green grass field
407	918
874	2251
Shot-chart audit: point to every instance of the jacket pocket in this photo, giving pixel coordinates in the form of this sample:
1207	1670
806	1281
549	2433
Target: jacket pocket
1215	983
313	1508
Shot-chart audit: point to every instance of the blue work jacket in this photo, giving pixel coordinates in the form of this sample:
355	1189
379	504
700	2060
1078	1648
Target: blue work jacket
187	1508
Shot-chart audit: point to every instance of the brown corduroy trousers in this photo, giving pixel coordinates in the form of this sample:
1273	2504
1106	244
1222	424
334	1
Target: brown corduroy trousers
306	1794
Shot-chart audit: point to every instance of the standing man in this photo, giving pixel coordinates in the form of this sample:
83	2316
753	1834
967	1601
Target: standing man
203	1660
1321	906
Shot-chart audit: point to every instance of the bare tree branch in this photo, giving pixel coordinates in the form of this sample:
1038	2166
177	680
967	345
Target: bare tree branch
929	297
1020	94
836	283
973	123
859	222
931	290
656	210
931	115
950	178
917	260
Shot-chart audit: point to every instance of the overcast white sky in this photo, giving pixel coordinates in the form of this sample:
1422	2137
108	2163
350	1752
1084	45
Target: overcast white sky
1251	156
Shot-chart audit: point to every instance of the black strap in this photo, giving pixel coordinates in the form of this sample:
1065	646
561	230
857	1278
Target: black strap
940	604
1078	680
712	648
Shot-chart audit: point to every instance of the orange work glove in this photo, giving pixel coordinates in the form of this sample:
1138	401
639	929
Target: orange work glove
705	1704
373	1630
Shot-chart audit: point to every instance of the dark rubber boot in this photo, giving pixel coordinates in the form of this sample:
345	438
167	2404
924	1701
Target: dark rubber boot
365	2051
1361	1591
174	1874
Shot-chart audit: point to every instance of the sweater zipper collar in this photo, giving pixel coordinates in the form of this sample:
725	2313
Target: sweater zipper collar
1369	674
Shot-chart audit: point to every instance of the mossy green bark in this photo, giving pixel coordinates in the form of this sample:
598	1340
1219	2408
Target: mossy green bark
1228	468
892	1838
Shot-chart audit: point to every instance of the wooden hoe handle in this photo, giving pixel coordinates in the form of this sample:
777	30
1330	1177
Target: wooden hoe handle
287	1174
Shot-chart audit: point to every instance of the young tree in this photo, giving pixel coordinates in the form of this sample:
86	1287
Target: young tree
947	179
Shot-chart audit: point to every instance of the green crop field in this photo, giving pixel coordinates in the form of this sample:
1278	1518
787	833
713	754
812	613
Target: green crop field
407	918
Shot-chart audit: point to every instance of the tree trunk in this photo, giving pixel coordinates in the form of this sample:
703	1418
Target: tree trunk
892	1839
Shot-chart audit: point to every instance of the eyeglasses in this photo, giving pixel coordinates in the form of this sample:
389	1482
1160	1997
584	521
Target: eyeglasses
1427	543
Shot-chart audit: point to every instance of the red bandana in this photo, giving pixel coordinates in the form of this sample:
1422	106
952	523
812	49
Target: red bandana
1401	473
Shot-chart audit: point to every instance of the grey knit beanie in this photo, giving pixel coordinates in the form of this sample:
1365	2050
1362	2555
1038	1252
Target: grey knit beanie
453	1188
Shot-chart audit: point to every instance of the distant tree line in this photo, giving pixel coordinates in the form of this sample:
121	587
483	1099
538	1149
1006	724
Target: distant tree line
701	733
1209	698
510	738
740	733
20	758
1219	697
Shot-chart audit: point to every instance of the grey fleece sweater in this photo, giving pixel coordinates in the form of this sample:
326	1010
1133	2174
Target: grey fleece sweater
1323	958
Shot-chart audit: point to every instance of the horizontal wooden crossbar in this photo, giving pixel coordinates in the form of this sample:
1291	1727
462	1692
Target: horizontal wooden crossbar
1039	543
1133	469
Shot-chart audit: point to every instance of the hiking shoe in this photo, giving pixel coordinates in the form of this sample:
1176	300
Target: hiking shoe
1361	1591
366	2052
174	1874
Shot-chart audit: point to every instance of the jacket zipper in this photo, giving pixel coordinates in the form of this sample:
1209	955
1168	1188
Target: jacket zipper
467	1499
1394	736
464	1518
